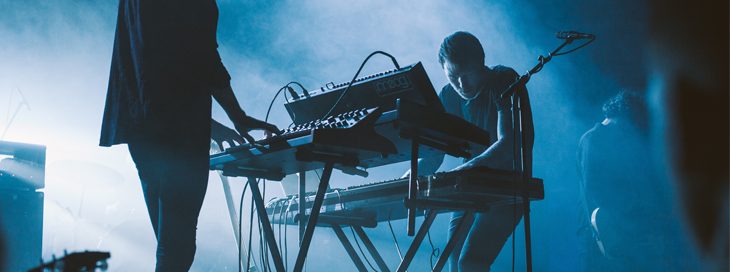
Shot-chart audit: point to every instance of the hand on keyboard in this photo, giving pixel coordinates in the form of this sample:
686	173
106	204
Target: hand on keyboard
245	123
222	134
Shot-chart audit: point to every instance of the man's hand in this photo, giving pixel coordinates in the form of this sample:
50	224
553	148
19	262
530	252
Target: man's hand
241	121
222	134
245	123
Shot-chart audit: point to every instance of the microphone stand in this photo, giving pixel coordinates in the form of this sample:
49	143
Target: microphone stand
515	91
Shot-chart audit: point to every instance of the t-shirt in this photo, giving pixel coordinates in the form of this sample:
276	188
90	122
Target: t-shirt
617	176
164	65
616	171
482	110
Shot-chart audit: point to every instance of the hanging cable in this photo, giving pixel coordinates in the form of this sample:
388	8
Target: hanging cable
240	215
250	234
395	240
354	237
354	78
434	252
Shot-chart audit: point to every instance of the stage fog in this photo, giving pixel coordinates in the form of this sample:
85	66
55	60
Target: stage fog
54	69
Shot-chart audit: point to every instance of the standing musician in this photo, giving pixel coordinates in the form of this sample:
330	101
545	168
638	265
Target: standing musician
624	223
473	94
165	68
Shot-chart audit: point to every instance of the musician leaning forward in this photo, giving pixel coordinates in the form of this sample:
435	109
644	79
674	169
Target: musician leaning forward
473	94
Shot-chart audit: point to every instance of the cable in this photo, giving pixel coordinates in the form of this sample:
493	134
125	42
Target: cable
434	252
271	104
286	239
240	215
354	78
514	225
278	224
261	245
264	265
250	234
304	90
361	251
593	38
394	239
282	223
516	168
264	243
339	199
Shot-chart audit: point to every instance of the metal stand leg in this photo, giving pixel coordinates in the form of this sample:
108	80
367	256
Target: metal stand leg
265	224
456	240
412	187
302	204
231	208
430	216
528	236
312	222
348	247
233	216
519	166
371	248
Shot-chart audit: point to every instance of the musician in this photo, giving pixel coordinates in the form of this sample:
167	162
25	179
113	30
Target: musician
165	68
623	201
473	94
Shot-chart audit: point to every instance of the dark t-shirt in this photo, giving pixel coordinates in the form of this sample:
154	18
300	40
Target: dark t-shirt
482	110
616	171
164	64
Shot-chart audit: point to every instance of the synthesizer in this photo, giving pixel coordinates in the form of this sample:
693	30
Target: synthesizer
378	90
346	137
382	201
367	137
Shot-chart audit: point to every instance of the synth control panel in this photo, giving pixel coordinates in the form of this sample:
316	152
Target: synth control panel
380	90
357	81
342	120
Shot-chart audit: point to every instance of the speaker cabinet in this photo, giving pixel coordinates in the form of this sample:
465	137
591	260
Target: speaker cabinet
21	229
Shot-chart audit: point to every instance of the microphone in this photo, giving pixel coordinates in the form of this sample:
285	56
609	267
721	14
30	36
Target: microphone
573	35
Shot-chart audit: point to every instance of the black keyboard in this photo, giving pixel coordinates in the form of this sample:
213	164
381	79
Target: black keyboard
383	200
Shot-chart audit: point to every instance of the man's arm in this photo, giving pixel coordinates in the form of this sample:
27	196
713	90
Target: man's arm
222	134
428	165
243	123
501	153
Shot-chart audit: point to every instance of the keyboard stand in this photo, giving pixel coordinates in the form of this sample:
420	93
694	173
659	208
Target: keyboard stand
433	207
306	237
431	133
232	210
356	223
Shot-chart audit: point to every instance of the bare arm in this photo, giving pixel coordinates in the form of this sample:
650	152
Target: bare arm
428	165
499	155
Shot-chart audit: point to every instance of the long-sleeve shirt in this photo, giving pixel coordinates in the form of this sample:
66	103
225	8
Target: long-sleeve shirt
164	65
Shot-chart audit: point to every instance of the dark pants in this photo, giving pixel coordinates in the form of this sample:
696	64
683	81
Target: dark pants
486	237
174	178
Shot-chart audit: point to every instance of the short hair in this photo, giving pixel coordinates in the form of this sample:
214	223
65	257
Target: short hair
626	104
461	48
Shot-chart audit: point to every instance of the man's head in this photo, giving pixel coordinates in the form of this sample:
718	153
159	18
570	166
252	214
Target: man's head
462	57
629	106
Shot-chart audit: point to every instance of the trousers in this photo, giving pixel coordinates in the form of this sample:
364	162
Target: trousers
486	237
174	178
